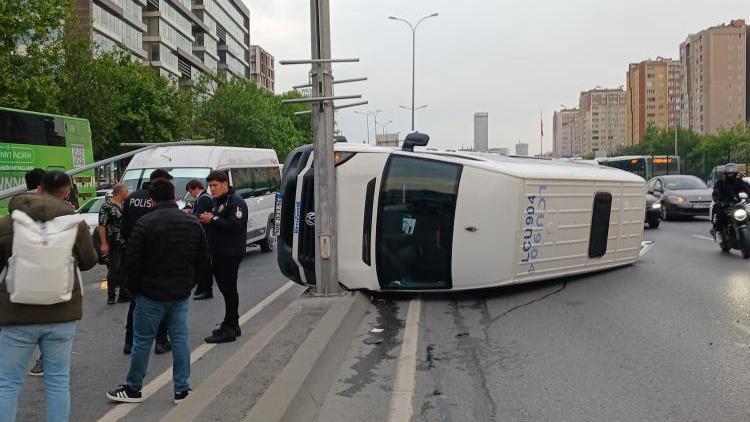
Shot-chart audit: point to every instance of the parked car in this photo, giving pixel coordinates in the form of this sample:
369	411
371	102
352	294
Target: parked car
653	211
443	220
681	196
90	211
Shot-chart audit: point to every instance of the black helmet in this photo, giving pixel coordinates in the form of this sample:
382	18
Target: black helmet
730	172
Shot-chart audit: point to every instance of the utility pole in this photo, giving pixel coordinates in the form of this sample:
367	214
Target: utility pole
676	149
323	127
326	264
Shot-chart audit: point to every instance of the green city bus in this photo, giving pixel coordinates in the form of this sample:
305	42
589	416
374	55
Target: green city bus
29	140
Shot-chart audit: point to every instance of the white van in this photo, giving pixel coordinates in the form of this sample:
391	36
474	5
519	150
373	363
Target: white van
439	220
254	174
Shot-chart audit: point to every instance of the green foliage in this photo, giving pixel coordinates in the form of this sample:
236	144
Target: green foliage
46	67
240	113
699	153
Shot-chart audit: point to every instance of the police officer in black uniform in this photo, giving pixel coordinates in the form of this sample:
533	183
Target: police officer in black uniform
226	227
136	206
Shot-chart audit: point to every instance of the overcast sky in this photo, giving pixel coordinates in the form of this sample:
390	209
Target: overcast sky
512	59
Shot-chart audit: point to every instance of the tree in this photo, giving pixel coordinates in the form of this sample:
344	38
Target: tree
239	113
31	53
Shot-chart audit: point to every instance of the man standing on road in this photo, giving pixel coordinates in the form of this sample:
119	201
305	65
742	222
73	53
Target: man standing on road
136	206
51	327
112	242
33	181
160	246
203	203
226	227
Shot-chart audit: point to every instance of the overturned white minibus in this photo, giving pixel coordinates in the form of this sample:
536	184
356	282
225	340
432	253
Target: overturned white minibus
436	220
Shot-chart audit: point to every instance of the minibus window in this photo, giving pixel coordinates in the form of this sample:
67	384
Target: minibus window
416	211
600	224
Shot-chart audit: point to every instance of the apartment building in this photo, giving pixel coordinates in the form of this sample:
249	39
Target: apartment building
179	38
602	121
653	97
522	149
481	132
565	128
262	68
714	89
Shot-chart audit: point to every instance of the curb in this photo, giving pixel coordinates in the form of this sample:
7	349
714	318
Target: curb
298	392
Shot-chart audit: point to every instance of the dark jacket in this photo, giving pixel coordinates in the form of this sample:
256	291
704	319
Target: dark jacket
204	203
136	206
227	232
726	192
43	207
166	249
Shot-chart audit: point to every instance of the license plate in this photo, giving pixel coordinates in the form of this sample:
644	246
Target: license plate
701	206
277	214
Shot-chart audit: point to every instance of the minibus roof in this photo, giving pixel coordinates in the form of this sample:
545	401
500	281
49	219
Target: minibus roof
192	156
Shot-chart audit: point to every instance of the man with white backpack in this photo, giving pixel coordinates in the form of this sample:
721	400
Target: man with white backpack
43	248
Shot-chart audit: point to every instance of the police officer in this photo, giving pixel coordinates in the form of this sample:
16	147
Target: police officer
226	227
138	204
202	203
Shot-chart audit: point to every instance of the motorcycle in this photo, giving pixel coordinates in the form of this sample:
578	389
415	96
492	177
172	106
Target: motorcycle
736	232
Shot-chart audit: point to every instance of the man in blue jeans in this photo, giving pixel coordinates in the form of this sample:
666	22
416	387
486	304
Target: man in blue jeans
51	327
166	250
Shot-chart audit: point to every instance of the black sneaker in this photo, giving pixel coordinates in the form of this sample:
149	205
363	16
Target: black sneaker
223	335
235	327
179	397
123	394
162	348
128	349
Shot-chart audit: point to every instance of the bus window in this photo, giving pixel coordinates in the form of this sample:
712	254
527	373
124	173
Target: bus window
415	223
30	129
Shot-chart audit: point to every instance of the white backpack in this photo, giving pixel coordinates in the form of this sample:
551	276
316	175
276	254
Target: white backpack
42	269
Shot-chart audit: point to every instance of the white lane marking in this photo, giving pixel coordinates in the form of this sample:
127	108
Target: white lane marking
697	236
403	386
121	410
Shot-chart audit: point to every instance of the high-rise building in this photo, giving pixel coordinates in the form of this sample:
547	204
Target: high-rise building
262	70
653	97
714	89
602	121
481	129
180	38
565	127
522	149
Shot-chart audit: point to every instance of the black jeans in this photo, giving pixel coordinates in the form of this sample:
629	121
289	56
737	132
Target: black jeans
161	335
114	261
205	281
720	216
225	270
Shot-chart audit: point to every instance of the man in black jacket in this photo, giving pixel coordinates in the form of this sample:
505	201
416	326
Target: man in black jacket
203	203
136	205
226	227
166	249
727	191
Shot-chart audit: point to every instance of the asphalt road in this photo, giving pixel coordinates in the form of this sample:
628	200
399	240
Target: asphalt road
99	365
666	339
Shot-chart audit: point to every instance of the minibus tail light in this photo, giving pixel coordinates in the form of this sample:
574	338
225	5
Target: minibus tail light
340	157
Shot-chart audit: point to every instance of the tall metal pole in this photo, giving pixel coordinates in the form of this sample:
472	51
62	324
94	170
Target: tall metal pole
413	72
326	262
367	116
676	150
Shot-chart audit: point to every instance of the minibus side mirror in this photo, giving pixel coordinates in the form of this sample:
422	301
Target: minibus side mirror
415	139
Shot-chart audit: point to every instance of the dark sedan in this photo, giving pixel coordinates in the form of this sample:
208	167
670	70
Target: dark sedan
681	195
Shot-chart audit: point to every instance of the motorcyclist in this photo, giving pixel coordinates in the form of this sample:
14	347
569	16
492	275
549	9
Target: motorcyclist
727	191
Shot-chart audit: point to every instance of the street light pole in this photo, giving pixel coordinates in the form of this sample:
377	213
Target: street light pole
368	114
413	58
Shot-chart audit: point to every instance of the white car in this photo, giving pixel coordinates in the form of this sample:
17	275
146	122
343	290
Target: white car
438	220
90	212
